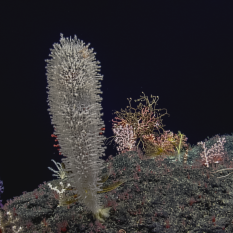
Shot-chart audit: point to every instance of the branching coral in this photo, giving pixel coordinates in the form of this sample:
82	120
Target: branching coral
165	144
143	122
129	127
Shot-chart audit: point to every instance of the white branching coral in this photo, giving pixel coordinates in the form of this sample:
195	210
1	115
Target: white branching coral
7	221
61	195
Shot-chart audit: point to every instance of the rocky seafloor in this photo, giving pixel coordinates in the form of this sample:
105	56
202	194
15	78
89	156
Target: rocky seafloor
157	195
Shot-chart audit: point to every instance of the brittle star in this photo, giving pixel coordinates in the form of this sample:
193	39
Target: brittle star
223	170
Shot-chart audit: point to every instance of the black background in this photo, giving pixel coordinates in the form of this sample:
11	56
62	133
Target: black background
180	51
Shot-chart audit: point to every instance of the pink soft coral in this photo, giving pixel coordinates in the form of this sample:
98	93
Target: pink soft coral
214	154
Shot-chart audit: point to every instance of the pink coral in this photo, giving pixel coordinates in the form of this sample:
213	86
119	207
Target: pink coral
214	154
124	137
